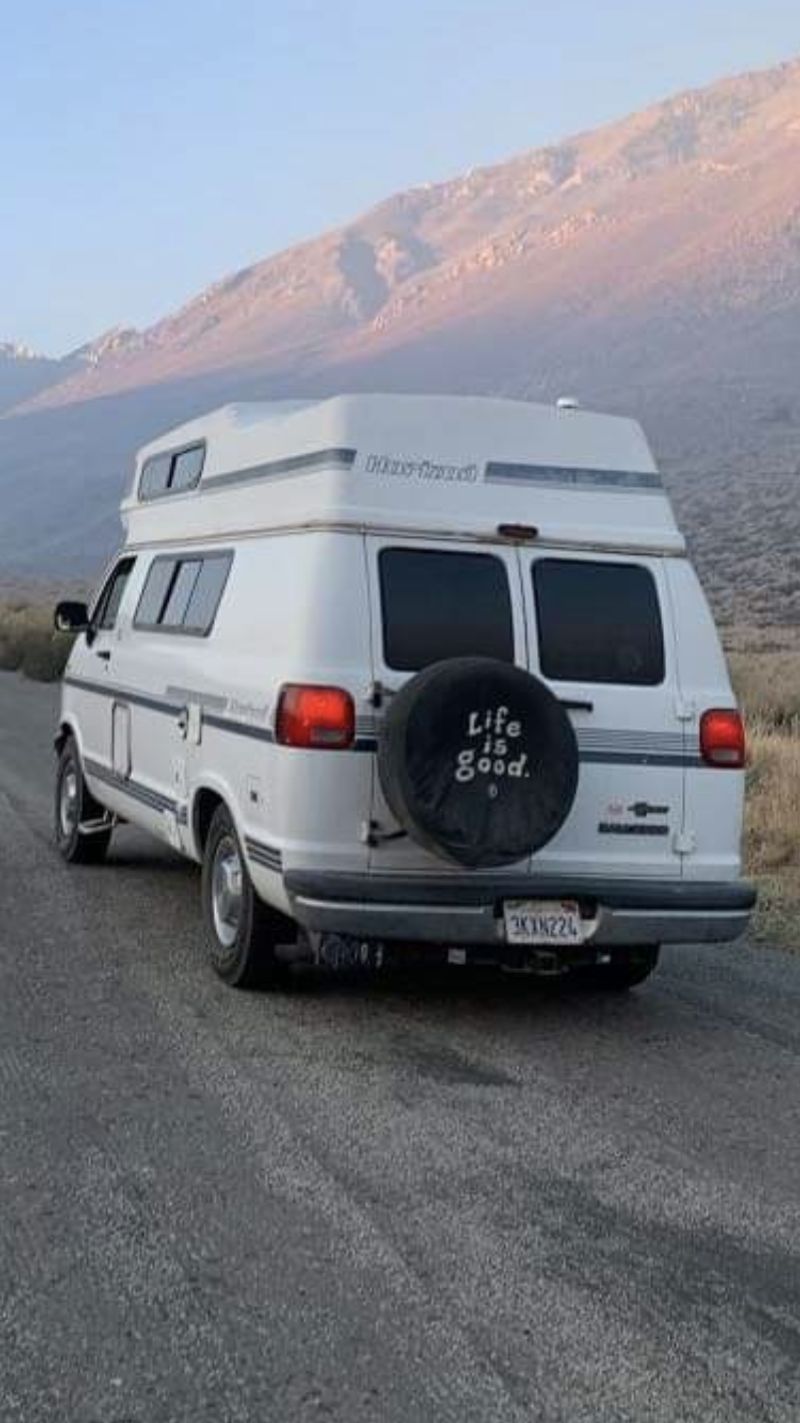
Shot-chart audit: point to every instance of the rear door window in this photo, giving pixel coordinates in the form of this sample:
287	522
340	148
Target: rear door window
598	622
438	604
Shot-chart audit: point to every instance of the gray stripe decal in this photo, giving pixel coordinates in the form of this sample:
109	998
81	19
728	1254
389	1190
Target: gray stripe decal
154	799
277	469
595	747
608	736
169	707
568	477
598	758
105	689
644	758
265	861
203	699
239	728
266	855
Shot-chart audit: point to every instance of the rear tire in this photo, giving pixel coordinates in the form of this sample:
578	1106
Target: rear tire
241	929
628	968
73	807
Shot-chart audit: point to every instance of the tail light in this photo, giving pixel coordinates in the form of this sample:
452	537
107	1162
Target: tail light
320	717
722	739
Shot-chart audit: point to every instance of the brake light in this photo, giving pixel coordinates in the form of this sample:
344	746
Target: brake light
319	717
722	739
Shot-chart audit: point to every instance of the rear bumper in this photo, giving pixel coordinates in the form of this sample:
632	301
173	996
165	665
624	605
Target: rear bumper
470	911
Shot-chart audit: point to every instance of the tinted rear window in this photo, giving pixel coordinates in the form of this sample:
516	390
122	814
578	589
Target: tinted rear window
598	622
439	604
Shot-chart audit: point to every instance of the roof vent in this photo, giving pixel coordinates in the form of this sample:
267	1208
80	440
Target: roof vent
568	402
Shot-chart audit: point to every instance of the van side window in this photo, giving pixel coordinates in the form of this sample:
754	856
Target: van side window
207	594
172	473
186	468
154	478
105	614
598	622
441	604
180	592
154	593
183	594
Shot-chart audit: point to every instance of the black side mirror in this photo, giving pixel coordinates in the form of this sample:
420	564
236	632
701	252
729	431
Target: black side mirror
71	617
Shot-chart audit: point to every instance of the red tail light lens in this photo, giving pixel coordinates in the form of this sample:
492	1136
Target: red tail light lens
319	717
722	739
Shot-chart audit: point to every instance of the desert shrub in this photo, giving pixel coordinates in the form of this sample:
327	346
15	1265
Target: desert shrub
772	829
768	687
11	651
28	642
45	655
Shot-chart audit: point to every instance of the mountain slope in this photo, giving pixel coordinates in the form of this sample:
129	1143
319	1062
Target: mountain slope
651	266
23	374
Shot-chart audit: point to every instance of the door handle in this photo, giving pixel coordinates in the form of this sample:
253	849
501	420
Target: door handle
182	721
105	656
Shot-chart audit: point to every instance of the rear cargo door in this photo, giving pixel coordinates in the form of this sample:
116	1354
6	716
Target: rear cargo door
600	635
433	600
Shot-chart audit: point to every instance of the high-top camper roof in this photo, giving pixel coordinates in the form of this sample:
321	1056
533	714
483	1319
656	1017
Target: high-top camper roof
446	465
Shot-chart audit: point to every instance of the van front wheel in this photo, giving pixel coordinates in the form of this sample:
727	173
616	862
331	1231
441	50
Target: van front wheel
78	841
241	929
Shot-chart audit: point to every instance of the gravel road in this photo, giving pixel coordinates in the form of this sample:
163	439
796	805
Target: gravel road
416	1199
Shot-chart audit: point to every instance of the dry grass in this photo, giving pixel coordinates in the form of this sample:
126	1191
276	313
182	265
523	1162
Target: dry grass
772	829
28	642
765	667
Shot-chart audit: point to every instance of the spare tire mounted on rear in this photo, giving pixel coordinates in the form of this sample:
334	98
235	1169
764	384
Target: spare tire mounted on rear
478	761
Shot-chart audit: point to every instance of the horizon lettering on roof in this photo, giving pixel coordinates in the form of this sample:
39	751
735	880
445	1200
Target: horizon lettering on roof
422	471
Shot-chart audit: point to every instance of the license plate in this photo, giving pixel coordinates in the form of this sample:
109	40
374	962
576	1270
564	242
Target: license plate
542	921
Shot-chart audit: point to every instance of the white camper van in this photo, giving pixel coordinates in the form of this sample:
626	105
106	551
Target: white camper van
411	671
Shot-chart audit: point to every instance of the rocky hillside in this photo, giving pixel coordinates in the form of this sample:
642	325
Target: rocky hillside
652	266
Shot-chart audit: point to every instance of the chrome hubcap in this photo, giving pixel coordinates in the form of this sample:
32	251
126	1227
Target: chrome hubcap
68	806
226	891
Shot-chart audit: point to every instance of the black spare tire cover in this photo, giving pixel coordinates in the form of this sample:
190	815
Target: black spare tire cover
478	761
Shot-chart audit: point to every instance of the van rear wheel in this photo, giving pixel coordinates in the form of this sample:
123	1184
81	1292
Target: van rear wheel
241	929
627	969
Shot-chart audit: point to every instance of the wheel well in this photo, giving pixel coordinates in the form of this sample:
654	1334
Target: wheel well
205	804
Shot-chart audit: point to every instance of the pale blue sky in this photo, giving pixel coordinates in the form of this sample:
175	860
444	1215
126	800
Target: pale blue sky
147	147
